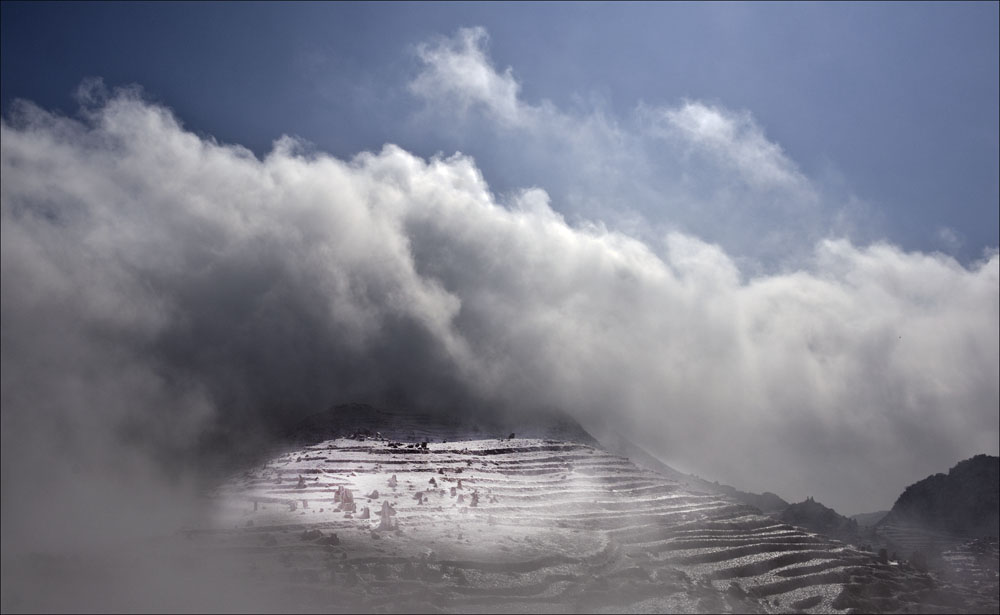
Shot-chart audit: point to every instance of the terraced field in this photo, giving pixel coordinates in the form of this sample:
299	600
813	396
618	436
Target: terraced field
531	525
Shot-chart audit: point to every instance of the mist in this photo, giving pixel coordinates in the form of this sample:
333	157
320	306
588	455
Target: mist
166	297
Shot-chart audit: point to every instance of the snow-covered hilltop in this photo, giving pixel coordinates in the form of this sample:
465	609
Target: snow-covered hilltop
372	522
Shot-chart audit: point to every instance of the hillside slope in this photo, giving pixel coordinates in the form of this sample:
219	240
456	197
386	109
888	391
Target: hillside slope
818	518
533	525
618	444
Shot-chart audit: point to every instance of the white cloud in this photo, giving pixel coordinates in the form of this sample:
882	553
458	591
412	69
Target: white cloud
736	140
458	69
693	167
949	239
156	282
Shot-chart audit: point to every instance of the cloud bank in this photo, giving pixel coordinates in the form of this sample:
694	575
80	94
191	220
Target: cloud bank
159	288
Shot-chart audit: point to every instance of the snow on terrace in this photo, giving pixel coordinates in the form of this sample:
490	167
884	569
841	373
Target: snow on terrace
528	525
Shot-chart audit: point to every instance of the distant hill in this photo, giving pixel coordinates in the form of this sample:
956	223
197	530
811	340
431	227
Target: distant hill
963	503
869	519
815	517
767	502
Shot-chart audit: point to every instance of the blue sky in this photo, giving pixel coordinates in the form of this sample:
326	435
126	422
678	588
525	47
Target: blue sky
892	104
759	239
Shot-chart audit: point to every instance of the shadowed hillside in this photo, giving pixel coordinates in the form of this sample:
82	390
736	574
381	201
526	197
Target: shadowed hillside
812	515
948	524
963	503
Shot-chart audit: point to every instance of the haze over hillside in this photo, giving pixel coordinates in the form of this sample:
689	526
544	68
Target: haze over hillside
400	511
220	220
869	519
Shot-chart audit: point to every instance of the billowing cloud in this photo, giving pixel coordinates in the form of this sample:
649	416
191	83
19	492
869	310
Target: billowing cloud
160	289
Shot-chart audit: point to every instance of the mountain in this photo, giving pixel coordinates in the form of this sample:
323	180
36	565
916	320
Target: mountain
948	524
385	510
963	503
430	514
767	502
